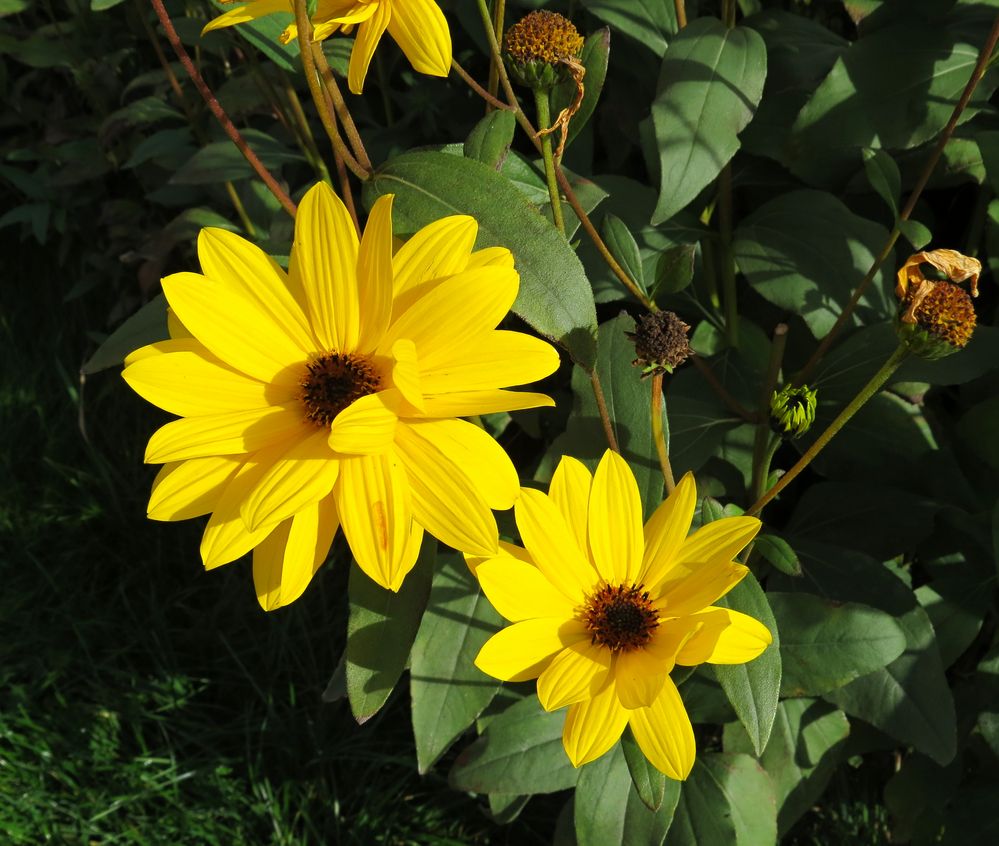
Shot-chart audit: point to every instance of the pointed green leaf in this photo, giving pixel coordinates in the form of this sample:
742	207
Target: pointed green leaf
649	782
490	139
594	57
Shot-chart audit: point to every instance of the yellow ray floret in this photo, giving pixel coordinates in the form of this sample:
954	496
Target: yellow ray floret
417	26
602	608
327	397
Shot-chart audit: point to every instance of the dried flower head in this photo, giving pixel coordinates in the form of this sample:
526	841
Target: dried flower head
660	342
540	48
936	316
792	410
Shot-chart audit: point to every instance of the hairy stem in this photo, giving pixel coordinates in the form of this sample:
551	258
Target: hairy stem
658	436
340	106
761	461
544	123
598	394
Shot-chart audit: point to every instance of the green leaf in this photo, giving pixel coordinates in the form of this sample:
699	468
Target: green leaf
147	326
778	553
170	148
608	810
728	800
752	688
103	5
826	644
519	752
431	185
806	252
977	430
623	247
674	270
594	57
447	690
866	100
957	601
490	139
710	84
650	784
882	173
380	632
803	752
648	21
629	404
915	233
222	160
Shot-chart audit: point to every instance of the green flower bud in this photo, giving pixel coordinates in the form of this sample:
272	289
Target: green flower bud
792	410
537	47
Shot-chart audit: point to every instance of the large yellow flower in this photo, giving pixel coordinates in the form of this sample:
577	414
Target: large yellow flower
417	26
602	609
326	396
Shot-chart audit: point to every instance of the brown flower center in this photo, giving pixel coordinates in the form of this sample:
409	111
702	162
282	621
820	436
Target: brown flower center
543	37
333	381
620	617
947	312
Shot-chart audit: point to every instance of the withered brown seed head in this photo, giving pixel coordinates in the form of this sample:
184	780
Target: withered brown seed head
620	617
947	312
334	381
543	37
661	341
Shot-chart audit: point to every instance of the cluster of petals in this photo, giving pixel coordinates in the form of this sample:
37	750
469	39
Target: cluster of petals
391	464
417	26
586	537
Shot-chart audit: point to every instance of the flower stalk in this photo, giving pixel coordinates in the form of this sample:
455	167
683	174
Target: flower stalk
543	104
763	450
658	436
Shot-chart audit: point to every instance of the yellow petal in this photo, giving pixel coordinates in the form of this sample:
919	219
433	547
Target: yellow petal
453	314
240	266
242	14
686	591
664	733
186	489
667	529
497	359
369	34
300	477
521	651
445	502
285	561
173	345
476	454
324	261
374	274
438	250
471	403
175	328
366	426
372	498
615	521
578	672
722	539
233	328
506	550
223	434
420	30
406	373
226	537
553	546
519	591
724	637
570	491
498	256
593	727
189	385
639	676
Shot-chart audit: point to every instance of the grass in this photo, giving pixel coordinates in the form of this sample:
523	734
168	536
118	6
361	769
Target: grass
144	701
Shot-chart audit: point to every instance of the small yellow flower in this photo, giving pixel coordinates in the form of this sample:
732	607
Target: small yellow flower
417	26
602	608
325	397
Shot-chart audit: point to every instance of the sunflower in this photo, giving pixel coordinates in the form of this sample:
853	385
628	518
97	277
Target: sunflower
326	396
602	610
417	26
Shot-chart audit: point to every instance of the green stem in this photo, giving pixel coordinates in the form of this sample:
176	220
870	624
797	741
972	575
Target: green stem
761	461
544	123
499	14
725	257
598	395
681	13
237	204
863	395
658	436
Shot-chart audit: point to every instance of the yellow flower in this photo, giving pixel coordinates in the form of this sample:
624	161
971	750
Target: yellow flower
602	609
326	396
417	26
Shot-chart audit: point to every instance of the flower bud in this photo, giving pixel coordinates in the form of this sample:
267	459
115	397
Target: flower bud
538	48
792	410
660	342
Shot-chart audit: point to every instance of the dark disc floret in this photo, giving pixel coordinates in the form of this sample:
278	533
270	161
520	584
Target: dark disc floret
620	617
334	381
660	342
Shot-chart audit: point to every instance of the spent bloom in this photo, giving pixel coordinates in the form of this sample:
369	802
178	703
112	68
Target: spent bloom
603	608
936	316
417	26
326	397
661	343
